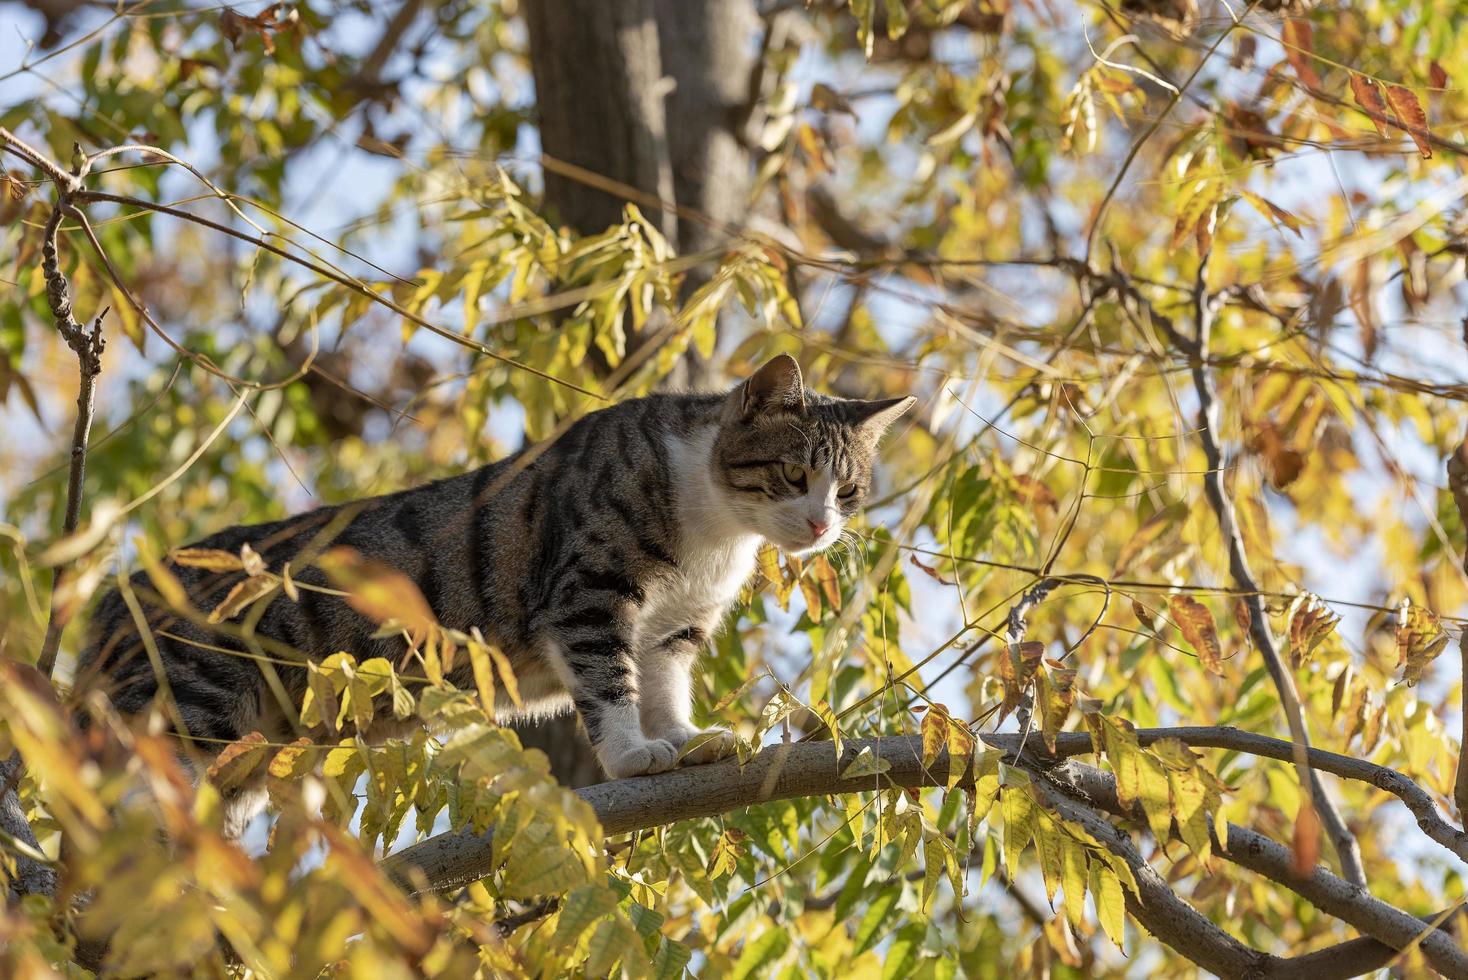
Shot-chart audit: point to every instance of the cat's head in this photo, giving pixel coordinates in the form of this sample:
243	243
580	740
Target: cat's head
795	465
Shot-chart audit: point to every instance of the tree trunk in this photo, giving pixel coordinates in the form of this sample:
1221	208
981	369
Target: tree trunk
598	82
707	47
612	126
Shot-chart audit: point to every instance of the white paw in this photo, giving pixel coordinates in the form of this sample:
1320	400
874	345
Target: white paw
699	747
641	758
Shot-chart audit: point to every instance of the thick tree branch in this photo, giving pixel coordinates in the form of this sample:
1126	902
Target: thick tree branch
799	769
1346	848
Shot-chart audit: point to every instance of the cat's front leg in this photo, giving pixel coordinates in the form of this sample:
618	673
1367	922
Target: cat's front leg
600	670
667	699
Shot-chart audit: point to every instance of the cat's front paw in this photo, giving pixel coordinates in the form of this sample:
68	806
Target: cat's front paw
640	758
699	747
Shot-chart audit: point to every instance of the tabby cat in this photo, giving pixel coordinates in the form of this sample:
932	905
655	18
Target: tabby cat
600	566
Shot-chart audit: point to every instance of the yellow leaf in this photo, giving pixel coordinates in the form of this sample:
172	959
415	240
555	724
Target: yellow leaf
293	761
935	736
506	673
483	675
1110	902
1073	880
212	559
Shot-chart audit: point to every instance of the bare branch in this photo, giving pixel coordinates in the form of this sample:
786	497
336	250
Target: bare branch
1458	486
1346	848
1416	799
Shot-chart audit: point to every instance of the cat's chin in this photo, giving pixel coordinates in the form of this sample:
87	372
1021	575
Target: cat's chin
802	548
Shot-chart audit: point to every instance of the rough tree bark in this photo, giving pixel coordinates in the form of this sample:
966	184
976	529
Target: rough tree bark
640	98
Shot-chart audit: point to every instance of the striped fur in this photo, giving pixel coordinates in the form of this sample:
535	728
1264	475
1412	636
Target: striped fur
600	566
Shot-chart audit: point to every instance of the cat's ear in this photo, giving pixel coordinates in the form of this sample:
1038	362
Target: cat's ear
873	417
775	387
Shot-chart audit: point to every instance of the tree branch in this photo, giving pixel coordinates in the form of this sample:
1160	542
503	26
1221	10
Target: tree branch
1388	928
1346	848
1458	486
1413	796
1156	906
798	769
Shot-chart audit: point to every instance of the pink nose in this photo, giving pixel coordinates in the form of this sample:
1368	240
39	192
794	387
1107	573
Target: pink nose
818	528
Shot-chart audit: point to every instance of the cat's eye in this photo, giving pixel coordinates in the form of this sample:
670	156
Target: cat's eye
794	474
846	491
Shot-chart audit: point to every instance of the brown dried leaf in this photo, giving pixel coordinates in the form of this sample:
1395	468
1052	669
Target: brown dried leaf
1310	623
931	572
1017	665
1436	76
1420	638
1285	464
1411	117
1338	692
245	592
1243	618
1060	694
1032	490
1299	45
1368	97
1244	50
1306	839
1199	629
1363	305
830	585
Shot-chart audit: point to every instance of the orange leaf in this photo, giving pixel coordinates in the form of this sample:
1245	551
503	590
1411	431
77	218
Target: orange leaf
1198	628
1411	117
238	761
1299	45
379	591
1436	76
1368	97
1307	839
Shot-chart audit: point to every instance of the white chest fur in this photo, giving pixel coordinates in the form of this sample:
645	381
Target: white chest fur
716	556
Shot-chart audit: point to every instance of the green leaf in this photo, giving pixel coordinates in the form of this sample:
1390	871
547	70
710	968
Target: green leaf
760	952
875	920
582	907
